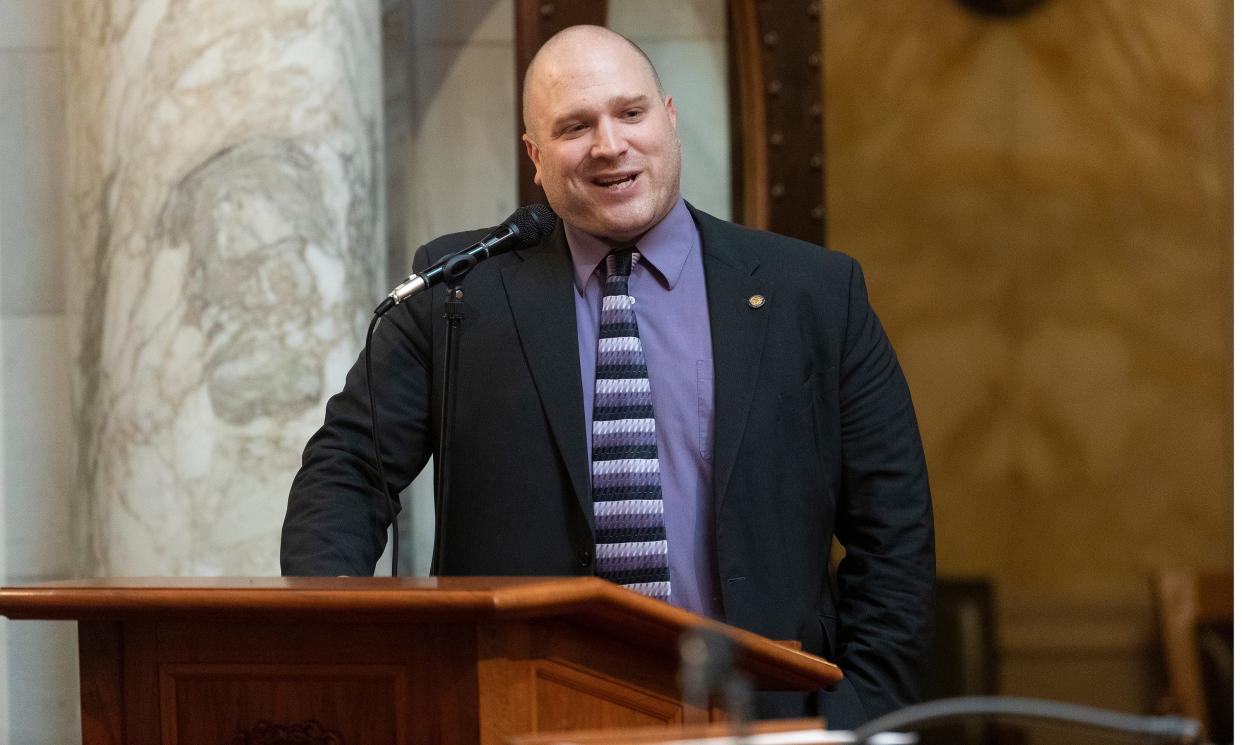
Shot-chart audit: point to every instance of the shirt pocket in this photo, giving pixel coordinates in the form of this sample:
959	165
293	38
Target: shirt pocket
706	418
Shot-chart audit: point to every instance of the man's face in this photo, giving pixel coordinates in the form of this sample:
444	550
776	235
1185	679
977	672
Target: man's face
603	142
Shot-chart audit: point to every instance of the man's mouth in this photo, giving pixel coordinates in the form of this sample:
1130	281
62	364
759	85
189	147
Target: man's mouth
615	182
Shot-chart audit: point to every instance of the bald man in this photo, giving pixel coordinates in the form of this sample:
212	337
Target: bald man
682	405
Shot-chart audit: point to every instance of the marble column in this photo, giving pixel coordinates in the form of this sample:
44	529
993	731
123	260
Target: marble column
225	181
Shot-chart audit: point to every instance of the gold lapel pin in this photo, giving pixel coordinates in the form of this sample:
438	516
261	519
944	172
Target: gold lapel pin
757	301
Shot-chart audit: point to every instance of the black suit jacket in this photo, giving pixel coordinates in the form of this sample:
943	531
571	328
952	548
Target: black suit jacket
815	436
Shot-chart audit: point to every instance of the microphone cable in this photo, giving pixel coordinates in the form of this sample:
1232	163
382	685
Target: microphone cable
1164	729
379	460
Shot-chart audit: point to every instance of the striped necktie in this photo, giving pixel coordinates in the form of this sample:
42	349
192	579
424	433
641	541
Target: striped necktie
630	544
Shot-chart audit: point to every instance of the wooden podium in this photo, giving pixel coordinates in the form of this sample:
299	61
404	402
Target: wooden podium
356	661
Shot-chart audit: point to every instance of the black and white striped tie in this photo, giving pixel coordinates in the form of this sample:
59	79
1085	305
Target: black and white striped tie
631	547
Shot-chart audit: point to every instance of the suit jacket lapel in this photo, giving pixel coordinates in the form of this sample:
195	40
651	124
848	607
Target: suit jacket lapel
540	293
738	333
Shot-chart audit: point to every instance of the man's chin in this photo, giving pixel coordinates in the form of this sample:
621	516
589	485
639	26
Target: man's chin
627	226
620	233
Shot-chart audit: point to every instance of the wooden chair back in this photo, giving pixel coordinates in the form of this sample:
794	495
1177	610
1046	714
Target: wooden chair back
1189	604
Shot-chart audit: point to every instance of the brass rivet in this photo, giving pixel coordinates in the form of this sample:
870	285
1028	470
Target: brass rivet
756	301
774	87
813	60
547	9
817	161
816	110
813	10
771	38
776	139
817	213
777	191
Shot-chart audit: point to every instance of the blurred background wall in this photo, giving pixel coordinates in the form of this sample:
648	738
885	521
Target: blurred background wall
1042	206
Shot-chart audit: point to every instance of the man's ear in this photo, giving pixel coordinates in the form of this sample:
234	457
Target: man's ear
672	110
532	152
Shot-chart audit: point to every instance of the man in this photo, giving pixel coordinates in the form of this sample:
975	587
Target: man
738	407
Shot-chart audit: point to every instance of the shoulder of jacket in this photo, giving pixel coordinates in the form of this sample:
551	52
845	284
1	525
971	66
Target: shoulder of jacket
781	252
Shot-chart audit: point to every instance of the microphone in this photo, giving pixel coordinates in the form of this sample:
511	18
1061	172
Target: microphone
524	228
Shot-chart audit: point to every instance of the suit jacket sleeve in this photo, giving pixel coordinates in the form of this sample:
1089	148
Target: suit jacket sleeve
337	519
884	521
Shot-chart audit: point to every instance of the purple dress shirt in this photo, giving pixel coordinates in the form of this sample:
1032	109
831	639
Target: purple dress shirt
670	302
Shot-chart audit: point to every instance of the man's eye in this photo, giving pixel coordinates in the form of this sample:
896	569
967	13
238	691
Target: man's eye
632	114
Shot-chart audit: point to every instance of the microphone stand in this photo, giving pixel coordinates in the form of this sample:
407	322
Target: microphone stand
708	669
455	271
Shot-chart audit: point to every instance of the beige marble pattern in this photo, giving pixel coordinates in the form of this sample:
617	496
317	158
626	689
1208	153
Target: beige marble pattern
225	185
1042	208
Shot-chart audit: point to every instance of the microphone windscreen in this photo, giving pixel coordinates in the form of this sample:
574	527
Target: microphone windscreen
532	223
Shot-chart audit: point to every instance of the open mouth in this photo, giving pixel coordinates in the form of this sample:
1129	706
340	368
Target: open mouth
616	183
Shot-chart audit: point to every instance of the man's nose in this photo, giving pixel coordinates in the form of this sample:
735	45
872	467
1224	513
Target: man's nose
609	142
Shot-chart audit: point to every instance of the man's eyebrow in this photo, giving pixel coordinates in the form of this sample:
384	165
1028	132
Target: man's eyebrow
621	101
615	102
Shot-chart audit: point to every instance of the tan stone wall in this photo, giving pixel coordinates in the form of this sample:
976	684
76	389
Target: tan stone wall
1042	206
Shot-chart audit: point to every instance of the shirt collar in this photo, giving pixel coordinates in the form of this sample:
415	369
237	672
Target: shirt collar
665	248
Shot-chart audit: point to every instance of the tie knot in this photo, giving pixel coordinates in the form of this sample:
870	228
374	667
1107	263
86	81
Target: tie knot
620	262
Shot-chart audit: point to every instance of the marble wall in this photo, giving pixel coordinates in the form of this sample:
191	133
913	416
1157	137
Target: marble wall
189	222
1042	206
225	168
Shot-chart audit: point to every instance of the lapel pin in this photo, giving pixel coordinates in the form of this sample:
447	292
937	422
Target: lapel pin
757	301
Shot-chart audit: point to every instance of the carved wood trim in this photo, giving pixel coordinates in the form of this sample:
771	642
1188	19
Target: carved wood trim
747	116
777	116
595	685
265	732
306	733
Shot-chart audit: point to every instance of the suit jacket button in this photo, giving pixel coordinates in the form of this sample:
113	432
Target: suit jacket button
584	558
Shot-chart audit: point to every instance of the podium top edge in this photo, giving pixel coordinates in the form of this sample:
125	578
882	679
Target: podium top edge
492	599
473	584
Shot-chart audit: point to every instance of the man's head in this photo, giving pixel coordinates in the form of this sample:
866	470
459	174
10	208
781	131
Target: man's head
601	133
